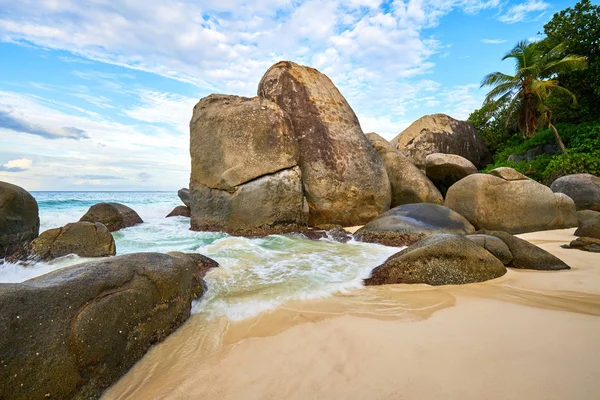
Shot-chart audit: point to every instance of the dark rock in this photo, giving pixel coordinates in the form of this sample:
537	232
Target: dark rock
439	260
584	189
85	239
585	215
409	184
494	245
114	216
328	231
72	333
527	255
585	244
508	201
203	263
344	180
530	155
409	223
445	170
19	219
184	195
589	228
180	211
440	133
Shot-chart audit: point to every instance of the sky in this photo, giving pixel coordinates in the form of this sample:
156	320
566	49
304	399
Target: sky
98	94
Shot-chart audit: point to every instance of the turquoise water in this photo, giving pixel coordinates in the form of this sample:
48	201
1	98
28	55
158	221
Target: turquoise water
255	275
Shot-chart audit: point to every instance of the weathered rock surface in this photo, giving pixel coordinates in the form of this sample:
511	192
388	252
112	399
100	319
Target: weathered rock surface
184	196
445	170
344	180
585	244
439	260
85	239
73	332
267	205
409	185
180	211
203	263
509	201
527	255
585	215
333	232
19	219
409	223
494	245
234	140
114	216
589	228
584	189
440	133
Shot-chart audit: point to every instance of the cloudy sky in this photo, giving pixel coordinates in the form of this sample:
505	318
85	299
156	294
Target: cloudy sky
97	94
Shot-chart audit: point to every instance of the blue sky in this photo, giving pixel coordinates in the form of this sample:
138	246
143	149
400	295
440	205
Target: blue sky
97	95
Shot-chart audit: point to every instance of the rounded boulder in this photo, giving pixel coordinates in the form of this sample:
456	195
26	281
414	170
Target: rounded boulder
19	219
584	189
114	216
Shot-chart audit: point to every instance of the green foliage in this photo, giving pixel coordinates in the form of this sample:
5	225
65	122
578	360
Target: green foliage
491	126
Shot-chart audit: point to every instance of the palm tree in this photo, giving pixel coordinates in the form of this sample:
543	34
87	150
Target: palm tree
528	89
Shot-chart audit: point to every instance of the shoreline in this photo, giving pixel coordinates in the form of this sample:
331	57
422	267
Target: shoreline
528	334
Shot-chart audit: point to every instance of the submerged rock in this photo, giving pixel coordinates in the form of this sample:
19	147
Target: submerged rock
527	255
328	231
180	211
74	332
439	260
344	180
440	133
409	223
584	189
19	219
508	201
114	216
409	184
85	239
445	170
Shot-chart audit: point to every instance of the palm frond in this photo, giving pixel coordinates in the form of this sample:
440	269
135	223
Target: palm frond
495	78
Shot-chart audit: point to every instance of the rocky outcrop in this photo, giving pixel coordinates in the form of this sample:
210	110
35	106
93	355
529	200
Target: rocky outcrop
444	170
332	232
508	201
584	189
184	196
180	211
585	244
85	239
245	178
267	205
589	228
527	255
344	180
440	133
409	223
72	333
114	216
585	215
19	219
408	183
439	260
494	245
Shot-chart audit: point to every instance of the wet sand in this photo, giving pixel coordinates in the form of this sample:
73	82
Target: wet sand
526	335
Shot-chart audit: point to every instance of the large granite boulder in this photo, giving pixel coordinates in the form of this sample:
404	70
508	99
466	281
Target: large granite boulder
114	216
267	205
344	180
85	239
584	189
526	255
245	178
72	333
180	211
589	228
184	196
409	223
439	260
445	170
508	201
440	133
494	245
19	219
409	184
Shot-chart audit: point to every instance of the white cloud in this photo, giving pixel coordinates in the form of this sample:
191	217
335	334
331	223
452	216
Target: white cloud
22	164
493	41
520	12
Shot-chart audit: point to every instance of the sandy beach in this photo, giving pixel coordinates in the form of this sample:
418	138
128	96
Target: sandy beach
526	335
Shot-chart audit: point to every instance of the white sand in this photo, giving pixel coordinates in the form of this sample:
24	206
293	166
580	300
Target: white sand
526	335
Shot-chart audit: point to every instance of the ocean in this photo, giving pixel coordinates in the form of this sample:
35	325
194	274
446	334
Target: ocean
256	274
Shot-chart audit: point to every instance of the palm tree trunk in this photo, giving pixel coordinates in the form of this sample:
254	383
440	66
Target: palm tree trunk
558	139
